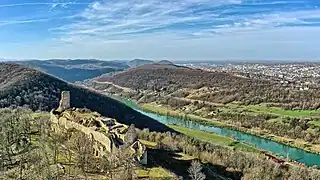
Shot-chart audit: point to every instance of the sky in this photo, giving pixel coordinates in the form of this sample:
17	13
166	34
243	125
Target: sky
160	29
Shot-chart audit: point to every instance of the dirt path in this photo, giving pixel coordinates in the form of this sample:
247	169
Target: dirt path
125	89
199	101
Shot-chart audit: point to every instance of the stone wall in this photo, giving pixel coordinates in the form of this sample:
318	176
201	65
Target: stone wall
103	140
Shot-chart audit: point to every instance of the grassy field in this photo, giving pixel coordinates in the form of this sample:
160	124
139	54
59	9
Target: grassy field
283	112
209	137
149	144
213	138
154	173
201	135
204	136
236	108
245	147
264	109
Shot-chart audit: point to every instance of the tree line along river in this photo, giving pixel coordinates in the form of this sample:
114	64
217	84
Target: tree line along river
296	154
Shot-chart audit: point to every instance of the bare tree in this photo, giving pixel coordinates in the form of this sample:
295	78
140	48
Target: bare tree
83	147
118	165
195	171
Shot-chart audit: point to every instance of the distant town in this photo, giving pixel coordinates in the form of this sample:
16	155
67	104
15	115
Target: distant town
299	75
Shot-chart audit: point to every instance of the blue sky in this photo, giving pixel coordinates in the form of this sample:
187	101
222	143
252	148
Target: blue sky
160	29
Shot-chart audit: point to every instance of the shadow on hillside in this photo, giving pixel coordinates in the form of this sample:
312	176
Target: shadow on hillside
20	86
169	160
112	108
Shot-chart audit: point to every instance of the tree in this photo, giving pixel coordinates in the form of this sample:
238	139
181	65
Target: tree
118	165
83	147
195	171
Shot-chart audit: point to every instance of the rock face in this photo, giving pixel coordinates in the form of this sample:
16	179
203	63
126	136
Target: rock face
65	101
106	133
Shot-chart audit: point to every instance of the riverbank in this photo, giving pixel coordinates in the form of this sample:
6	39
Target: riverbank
212	122
214	138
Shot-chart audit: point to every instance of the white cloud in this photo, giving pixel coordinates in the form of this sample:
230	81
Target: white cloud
122	17
11	22
280	43
278	2
61	3
52	4
179	29
112	19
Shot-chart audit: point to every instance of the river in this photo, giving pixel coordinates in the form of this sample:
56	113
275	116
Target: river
280	149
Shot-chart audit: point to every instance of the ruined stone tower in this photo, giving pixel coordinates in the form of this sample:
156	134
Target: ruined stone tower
65	101
106	134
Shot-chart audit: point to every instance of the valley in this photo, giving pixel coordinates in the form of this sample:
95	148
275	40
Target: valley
75	70
271	118
179	128
159	90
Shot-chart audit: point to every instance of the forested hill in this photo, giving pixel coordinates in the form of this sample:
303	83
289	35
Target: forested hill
224	87
75	70
20	86
139	62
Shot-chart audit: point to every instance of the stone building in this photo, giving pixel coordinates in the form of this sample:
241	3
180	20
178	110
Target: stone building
107	134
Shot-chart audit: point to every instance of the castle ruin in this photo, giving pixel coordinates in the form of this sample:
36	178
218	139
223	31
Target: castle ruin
106	133
65	101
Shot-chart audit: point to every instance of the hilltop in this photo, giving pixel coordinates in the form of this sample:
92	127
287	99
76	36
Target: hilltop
21	86
75	70
165	62
83	69
139	62
173	77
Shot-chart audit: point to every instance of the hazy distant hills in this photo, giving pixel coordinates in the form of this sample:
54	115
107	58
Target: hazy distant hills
82	69
140	62
165	62
75	70
21	86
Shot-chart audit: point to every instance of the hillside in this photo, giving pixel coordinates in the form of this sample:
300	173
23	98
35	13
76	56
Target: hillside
20	86
258	106
49	149
223	87
75	70
172	77
73	144
39	148
139	62
165	62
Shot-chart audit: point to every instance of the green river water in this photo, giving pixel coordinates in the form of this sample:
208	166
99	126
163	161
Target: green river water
280	149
